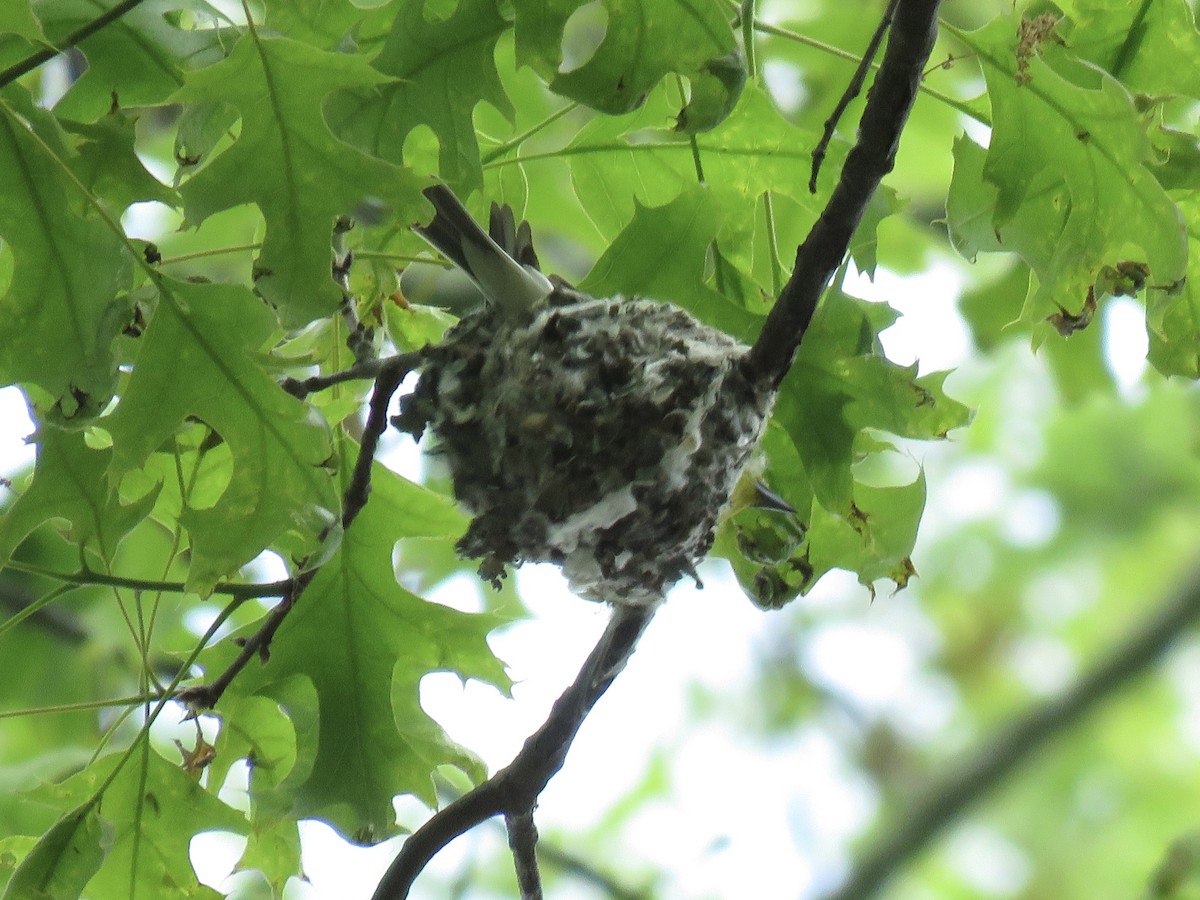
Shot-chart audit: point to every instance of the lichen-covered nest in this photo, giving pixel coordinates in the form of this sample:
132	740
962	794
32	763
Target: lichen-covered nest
601	435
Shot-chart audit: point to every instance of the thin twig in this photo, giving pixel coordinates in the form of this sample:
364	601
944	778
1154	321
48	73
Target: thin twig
302	387
392	372
87	577
852	90
1019	741
516	787
873	155
82	33
522	840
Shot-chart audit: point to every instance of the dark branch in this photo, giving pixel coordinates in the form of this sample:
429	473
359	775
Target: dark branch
515	788
82	33
848	95
872	157
1021	740
522	840
371	369
392	372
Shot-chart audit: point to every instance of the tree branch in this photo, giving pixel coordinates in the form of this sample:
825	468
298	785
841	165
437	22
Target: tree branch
391	373
370	369
1020	740
522	840
848	95
873	155
82	33
514	789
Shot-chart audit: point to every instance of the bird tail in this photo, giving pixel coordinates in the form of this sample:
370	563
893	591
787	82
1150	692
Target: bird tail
502	264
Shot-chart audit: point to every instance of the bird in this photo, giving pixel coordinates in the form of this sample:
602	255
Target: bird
604	435
504	267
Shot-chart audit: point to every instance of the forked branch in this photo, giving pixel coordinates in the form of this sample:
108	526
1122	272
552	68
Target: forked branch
513	791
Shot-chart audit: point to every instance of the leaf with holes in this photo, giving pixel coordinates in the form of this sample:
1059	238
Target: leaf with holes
440	70
287	161
643	41
363	643
1070	164
198	361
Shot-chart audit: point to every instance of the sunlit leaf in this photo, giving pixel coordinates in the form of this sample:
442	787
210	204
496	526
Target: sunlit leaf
364	643
62	308
288	162
198	359
642	43
440	70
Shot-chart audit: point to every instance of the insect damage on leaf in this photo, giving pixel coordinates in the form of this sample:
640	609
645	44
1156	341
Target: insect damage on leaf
601	435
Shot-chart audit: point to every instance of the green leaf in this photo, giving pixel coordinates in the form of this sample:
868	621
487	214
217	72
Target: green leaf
1070	164
873	542
288	162
320	23
18	18
198	359
715	91
63	860
1150	45
661	255
364	643
643	42
273	848
614	160
108	166
256	729
843	383
414	326
61	308
137	60
153	810
69	483
440	71
1173	313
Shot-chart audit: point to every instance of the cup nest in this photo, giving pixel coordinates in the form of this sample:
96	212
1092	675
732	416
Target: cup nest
604	436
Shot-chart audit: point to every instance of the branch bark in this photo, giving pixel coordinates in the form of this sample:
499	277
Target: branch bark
873	155
1019	741
522	840
513	791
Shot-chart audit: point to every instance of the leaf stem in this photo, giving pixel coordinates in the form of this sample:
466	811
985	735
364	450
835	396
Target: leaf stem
82	33
773	244
746	15
87	577
501	149
135	700
216	251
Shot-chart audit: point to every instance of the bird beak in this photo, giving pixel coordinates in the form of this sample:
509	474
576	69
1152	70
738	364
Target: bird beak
765	498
